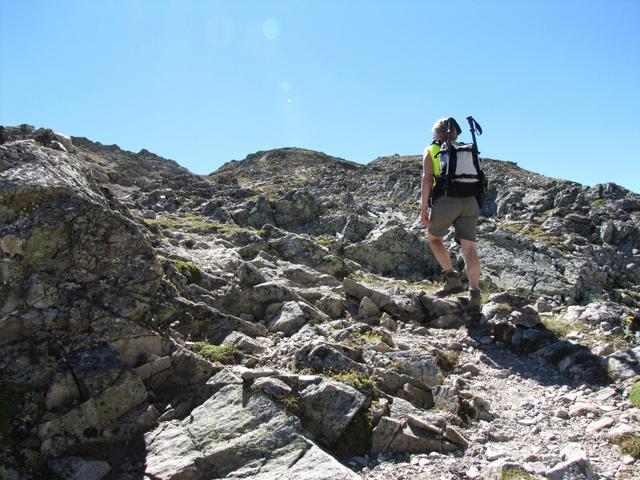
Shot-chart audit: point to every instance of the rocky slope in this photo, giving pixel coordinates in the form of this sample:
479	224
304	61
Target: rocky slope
275	319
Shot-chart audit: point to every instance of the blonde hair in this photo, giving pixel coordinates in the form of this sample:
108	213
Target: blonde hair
439	128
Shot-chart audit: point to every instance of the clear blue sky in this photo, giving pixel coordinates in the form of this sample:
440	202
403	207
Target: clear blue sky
555	84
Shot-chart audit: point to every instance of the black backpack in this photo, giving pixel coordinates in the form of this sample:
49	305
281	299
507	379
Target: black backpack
460	172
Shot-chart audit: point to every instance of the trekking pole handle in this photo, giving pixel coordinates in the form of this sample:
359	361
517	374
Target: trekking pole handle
474	126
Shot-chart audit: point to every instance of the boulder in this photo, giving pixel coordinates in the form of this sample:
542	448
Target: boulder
417	364
76	468
289	320
233	434
393	251
87	422
396	436
324	357
329	407
296	207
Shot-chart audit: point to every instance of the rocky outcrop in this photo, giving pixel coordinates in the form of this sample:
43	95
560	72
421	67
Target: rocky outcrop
276	319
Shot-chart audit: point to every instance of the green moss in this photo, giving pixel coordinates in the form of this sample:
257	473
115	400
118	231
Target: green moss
629	444
516	473
190	271
634	396
599	202
225	354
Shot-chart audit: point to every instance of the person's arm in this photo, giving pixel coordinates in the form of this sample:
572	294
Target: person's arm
427	183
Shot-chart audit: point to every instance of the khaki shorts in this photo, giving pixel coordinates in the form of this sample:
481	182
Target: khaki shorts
462	213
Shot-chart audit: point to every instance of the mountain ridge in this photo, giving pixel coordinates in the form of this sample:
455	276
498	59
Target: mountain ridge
149	315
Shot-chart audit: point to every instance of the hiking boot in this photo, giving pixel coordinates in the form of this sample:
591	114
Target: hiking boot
474	299
452	284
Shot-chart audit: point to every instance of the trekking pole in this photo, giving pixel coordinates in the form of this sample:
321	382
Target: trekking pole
474	126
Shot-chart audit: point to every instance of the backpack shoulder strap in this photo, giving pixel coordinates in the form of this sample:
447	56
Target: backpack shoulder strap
453	162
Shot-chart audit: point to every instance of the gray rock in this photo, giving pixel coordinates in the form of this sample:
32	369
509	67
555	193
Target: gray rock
576	465
255	213
95	369
300	249
189	369
289	320
360	291
384	433
332	304
394	436
296	207
417	364
235	435
368	309
85	422
329	407
393	251
273	387
526	317
76	468
624	364
324	357
154	373
447	399
243	342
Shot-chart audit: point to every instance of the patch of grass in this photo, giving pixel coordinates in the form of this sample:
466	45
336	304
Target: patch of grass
445	359
534	233
291	403
225	354
634	396
326	240
243	181
411	205
560	328
599	202
629	444
191	272
358	380
372	337
515	473
272	192
373	281
197	224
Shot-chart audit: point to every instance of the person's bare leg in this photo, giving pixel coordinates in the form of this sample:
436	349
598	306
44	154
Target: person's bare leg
452	283
472	262
440	252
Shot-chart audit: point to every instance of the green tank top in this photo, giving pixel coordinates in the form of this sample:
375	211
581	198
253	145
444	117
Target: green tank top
433	150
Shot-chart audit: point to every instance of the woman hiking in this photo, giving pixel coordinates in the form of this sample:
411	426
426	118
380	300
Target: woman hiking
457	208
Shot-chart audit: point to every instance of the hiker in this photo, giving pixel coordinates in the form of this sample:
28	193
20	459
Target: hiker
457	207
